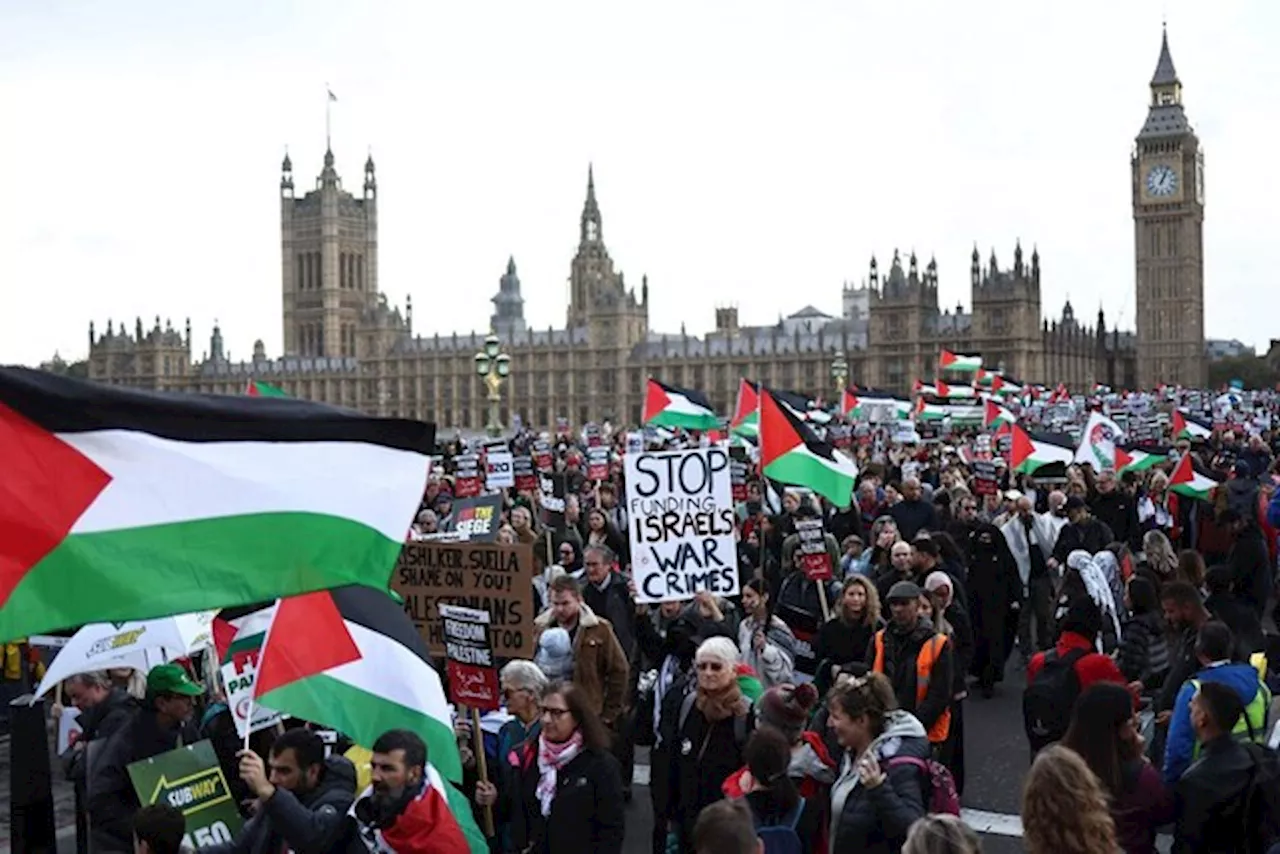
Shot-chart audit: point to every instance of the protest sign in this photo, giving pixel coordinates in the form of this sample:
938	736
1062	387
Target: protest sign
552	489
597	463
738	480
985	481
476	519
681	523
526	480
473	676
493	578
191	781
812	555
239	675
635	442
467	480
592	434
542	459
500	470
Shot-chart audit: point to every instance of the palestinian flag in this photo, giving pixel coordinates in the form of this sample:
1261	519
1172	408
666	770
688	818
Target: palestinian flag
118	504
929	411
994	415
746	413
669	406
1187	426
351	659
1030	451
864	403
239	632
1133	458
1099	442
945	391
749	682
257	388
1006	386
1188	480
985	377
790	452
959	363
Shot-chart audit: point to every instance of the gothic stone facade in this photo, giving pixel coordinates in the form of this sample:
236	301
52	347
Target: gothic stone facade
345	344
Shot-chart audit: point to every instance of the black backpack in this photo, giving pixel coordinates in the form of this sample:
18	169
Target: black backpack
1262	799
1049	698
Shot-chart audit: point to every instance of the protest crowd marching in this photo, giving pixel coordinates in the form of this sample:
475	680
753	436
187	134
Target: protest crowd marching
786	614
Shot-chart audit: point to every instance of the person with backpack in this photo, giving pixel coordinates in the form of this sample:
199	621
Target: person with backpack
1057	677
713	722
785	822
887	780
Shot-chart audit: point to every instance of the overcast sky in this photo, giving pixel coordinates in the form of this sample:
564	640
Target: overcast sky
745	152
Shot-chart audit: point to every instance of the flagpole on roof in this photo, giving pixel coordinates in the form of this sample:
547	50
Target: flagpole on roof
328	116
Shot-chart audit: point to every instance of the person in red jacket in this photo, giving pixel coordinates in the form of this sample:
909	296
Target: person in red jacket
1080	629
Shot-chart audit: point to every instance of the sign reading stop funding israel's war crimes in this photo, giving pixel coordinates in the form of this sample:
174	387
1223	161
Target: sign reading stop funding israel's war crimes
493	578
190	780
680	524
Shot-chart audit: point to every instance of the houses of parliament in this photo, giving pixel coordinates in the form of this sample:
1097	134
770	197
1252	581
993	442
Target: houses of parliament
345	343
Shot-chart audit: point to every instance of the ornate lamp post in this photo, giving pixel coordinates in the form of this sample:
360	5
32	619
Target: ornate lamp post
493	367
840	373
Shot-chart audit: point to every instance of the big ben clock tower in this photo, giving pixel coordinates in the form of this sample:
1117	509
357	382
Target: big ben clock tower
1168	219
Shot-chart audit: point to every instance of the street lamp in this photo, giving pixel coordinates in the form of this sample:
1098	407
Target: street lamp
840	373
493	367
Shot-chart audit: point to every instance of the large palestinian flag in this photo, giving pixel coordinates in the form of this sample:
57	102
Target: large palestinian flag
1187	426
1031	451
673	407
257	388
958	362
121	505
352	660
791	453
1189	480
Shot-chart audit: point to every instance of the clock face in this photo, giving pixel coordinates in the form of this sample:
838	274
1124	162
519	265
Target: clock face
1162	181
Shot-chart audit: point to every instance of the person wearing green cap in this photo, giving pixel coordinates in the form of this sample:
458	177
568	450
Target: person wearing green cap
163	723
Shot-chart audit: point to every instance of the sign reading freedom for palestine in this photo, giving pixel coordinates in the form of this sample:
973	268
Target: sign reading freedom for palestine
492	578
681	523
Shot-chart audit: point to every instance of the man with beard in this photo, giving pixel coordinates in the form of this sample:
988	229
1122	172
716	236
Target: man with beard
995	594
404	810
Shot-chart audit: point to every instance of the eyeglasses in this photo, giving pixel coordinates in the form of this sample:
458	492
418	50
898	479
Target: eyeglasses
554	714
710	665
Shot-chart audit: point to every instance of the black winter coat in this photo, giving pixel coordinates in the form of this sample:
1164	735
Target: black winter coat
586	814
310	824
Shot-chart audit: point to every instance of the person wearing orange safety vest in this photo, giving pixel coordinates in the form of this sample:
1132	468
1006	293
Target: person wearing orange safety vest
917	660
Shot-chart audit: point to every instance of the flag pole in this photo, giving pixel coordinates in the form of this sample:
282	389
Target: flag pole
328	111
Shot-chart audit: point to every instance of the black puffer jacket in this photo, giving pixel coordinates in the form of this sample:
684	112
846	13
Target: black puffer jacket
309	824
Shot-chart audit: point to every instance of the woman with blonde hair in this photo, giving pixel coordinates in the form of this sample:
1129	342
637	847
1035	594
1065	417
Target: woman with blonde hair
847	635
1160	556
1064	809
941	834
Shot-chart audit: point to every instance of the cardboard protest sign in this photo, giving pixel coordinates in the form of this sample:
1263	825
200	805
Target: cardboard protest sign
473	676
812	555
239	676
477	519
500	470
493	578
681	524
190	780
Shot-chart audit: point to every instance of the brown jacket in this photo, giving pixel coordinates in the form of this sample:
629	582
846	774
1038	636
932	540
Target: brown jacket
600	666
